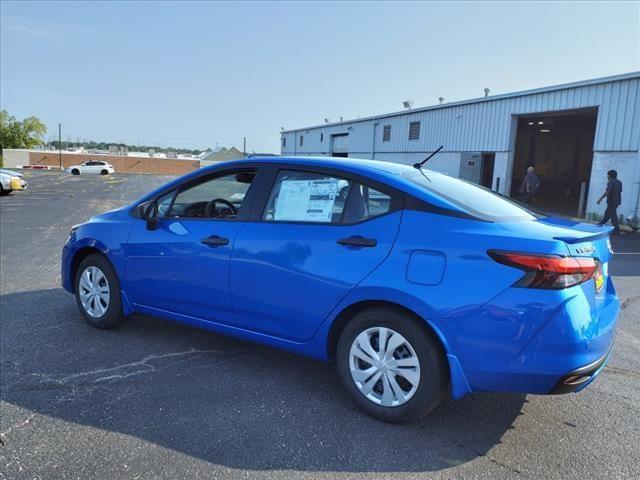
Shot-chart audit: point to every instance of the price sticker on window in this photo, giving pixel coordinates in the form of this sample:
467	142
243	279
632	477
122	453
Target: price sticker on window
306	200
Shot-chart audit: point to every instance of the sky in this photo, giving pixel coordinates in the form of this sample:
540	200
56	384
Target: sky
194	75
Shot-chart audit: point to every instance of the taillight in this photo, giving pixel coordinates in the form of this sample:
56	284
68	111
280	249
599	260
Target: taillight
549	271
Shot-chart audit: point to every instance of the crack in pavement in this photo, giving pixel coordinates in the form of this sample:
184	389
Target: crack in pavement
148	364
4	434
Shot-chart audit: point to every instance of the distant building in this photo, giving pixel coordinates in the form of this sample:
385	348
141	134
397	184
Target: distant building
220	154
133	162
572	134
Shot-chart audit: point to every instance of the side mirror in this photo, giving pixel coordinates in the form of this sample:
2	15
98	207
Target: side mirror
151	215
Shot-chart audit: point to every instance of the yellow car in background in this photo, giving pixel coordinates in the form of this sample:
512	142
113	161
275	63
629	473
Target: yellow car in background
10	181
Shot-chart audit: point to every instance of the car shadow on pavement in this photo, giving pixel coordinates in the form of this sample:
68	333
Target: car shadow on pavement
220	400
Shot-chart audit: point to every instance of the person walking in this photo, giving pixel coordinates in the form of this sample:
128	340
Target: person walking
530	184
613	193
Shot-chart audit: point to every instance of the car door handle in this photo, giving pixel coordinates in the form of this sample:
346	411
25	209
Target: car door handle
358	242
215	241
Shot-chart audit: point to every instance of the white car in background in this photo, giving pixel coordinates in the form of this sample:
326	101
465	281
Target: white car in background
10	181
92	166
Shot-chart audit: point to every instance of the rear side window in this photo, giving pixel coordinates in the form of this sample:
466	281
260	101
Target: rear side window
478	201
320	198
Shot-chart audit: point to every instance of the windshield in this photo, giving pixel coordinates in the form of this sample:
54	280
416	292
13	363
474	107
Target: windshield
478	201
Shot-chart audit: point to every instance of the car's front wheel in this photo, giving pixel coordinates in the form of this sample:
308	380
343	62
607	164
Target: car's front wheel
98	292
393	368
104	172
75	171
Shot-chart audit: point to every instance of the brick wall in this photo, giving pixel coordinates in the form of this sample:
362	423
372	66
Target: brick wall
121	164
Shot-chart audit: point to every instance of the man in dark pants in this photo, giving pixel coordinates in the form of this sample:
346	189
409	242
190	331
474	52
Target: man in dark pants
614	198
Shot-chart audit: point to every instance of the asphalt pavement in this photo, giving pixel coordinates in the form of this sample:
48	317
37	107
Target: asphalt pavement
157	400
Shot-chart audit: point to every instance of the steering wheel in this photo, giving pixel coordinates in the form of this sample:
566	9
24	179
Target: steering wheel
211	207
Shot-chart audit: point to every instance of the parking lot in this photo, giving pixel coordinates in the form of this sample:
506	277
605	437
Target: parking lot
154	399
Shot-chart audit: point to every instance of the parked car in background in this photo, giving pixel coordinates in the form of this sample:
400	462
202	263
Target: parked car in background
97	167
10	181
417	284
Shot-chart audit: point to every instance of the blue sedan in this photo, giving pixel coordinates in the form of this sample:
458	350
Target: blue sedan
416	284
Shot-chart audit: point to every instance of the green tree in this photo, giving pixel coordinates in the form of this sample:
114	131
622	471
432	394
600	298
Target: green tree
20	134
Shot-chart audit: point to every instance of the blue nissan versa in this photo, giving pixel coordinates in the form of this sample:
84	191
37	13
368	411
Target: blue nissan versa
417	284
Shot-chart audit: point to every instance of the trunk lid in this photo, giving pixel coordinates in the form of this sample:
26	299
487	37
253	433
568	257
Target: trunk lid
581	239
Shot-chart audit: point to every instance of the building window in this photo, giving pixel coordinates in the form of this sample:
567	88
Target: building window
321	137
386	133
284	142
301	140
414	131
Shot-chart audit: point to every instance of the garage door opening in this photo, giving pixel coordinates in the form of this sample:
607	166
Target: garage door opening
560	148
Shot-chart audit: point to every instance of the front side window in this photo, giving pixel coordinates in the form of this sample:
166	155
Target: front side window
321	198
220	197
164	202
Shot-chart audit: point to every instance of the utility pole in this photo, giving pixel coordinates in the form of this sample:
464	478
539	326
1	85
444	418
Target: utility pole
244	147
60	144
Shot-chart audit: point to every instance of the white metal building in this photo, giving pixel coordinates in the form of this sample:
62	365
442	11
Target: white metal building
572	134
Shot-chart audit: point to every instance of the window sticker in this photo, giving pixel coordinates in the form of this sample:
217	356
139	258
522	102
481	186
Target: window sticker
306	200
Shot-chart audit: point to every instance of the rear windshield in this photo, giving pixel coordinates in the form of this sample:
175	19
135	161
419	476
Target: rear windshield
478	201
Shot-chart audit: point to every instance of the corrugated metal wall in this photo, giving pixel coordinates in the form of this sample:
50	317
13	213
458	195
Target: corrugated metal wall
485	125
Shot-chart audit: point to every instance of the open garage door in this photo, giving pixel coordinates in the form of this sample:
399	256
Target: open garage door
559	145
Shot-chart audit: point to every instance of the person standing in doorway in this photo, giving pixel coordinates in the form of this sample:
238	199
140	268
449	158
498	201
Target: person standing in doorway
529	185
614	199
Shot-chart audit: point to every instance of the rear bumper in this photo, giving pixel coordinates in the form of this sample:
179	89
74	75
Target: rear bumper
536	341
579	378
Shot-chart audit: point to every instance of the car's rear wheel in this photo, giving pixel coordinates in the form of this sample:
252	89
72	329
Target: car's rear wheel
393	368
75	171
98	292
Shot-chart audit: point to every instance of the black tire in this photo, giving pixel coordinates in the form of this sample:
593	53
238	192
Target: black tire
104	172
433	383
5	192
75	171
112	316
